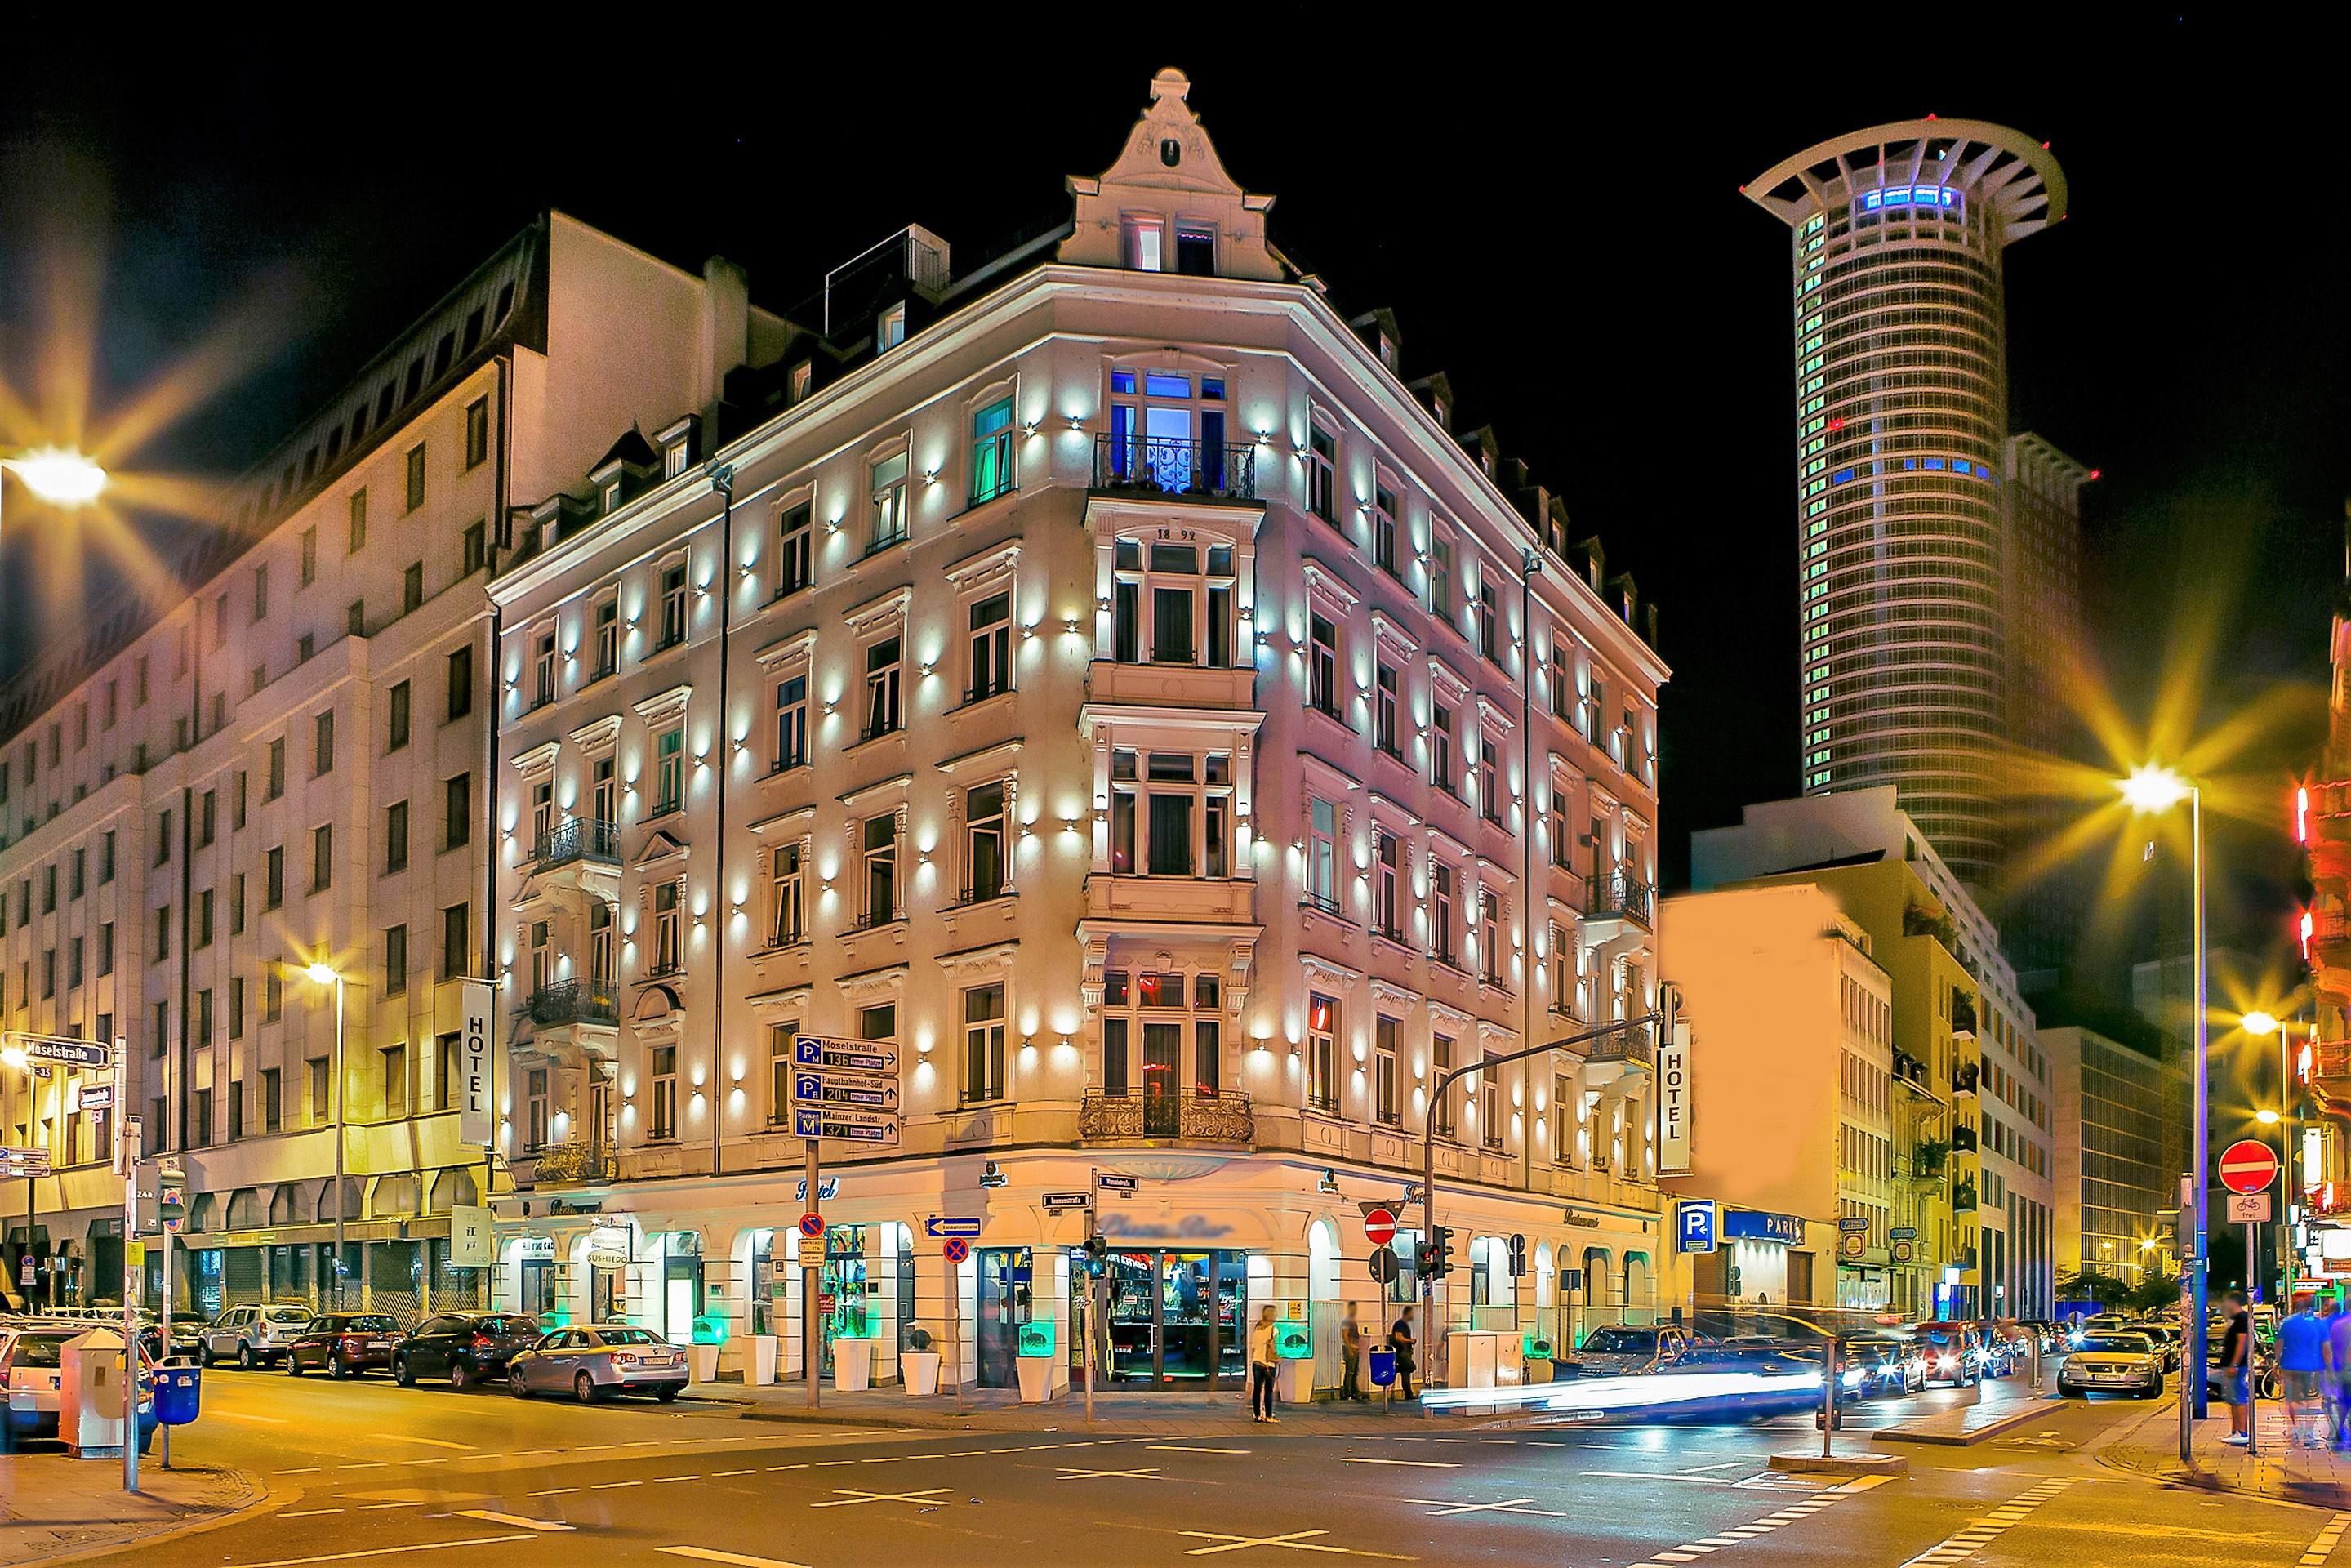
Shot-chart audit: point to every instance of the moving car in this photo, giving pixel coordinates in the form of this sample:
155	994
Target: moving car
2114	1362
591	1363
252	1336
1952	1354
463	1347
1884	1363
344	1344
1620	1348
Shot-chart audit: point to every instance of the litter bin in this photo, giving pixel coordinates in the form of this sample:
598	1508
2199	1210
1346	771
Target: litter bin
1382	1365
179	1392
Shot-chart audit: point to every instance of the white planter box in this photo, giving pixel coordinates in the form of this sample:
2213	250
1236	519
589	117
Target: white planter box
765	1349
701	1361
852	1364
1036	1378
921	1370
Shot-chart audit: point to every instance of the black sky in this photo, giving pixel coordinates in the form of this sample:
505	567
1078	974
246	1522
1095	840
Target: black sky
1552	212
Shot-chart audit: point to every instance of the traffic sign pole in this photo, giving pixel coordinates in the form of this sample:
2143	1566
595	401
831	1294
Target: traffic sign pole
811	1274
126	1160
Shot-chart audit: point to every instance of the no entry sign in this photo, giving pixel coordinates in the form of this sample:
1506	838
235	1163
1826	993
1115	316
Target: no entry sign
1379	1227
2248	1166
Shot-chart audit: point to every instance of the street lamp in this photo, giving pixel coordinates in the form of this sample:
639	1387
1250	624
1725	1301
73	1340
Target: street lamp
57	474
323	973
2155	789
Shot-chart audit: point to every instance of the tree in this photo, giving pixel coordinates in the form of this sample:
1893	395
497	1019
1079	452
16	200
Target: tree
2091	1285
2155	1291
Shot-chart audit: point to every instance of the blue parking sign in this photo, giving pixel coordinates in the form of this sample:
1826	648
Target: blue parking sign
1693	1224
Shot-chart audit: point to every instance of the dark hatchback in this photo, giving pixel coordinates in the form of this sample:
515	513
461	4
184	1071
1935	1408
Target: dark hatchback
463	1347
344	1344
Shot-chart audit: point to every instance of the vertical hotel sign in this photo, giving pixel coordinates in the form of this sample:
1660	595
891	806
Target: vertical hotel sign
1674	1102
476	1116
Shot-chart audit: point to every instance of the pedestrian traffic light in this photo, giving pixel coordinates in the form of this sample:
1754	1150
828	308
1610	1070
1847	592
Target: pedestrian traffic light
1098	1255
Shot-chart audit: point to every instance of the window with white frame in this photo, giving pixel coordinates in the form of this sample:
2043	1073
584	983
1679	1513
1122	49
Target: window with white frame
1441	916
1322	855
603	968
887	488
1387	858
879	839
1441	748
983	1043
990	647
607	622
672	604
542	665
542	818
780	1071
1489	1102
542	957
1387	709
669	771
795	549
1490	618
1564	1096
604	791
1562	679
662	1122
1161	1028
879	1022
1387	1035
1178	805
883	713
1322	1052
1383	529
1557	827
668	930
1490	778
786	896
1145	238
1440	1062
1562	955
1168	430
991	451
792	722
1490	935
1440	579
1322	474
534	1109
890	328
986	840
1322	664
1173	602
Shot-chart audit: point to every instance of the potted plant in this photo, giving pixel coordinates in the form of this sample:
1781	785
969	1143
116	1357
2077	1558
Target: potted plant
918	1361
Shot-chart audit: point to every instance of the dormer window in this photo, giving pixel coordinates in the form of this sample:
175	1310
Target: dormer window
1144	236
673	459
890	329
612	496
1195	250
1387	351
803	382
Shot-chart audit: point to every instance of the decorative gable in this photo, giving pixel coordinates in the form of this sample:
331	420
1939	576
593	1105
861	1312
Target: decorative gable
1170	174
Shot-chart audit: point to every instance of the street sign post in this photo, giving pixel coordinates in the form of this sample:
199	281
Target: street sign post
939	1226
1124	1185
841	1121
2249	1208
2247	1166
813	1227
848	1055
1379	1228
835	1089
1383	1265
66	1048
1057	1202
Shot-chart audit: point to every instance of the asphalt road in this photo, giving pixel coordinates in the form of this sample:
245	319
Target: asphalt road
369	1473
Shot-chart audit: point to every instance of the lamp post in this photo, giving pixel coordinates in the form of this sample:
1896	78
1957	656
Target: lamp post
323	973
2260	1024
57	474
2155	789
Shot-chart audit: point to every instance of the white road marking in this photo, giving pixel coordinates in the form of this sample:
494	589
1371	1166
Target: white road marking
384	1552
372	1507
1691	1551
1967	1542
1186	1449
704	1554
552	1492
1151	1474
1443	1510
1296	1540
523	1520
717	1475
607	1486
850	1497
665	1480
308	1512
244	1416
424	1442
302	1470
1416	1464
2323	1546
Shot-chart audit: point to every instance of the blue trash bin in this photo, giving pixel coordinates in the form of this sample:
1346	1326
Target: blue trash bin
1383	1367
179	1394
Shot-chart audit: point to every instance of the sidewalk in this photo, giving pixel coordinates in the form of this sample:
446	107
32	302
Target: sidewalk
2003	1408
52	1505
2151	1447
1154	1415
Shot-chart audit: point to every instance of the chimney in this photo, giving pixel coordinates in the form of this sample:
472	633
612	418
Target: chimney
726	332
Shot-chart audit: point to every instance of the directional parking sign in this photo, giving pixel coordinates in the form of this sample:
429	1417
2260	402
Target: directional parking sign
849	1055
1693	1224
853	1126
865	1093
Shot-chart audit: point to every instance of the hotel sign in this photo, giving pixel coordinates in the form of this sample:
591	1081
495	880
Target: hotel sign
476	1119
1674	1102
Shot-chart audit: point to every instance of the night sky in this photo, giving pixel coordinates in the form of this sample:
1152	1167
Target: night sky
1554	217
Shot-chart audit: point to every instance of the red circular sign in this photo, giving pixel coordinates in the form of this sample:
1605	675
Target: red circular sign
811	1225
1380	1227
955	1249
2248	1166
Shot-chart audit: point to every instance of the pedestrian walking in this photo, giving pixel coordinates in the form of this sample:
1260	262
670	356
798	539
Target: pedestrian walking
2236	1369
1400	1340
1261	1353
2303	1356
1351	1347
2338	1362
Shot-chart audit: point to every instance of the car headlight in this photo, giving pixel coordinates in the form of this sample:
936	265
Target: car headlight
1853	1378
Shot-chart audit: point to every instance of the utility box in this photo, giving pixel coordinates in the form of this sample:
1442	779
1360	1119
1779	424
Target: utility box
89	1396
1472	1358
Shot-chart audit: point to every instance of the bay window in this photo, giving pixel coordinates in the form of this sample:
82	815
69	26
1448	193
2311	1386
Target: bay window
1181	806
1175	598
1163	1014
1168	430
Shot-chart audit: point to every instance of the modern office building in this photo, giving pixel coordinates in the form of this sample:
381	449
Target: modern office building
1980	1137
1088	684
2117	1191
1791	1027
291	764
1916	591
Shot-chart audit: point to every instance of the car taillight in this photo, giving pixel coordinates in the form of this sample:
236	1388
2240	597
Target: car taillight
481	1341
352	1339
623	1358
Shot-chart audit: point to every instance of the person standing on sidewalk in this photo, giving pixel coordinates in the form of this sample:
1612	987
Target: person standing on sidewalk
2236	1368
1351	1348
2303	1352
1400	1340
1261	1363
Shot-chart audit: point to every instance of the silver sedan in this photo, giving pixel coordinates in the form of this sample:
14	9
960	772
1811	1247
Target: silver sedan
591	1363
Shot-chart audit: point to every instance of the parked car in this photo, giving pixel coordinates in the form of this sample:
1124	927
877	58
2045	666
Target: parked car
1620	1348
593	1363
463	1347
252	1336
32	1363
2168	1339
344	1344
2115	1363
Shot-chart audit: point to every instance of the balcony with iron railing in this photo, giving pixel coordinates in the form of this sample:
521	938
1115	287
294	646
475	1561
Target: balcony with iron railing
573	1001
1615	895
1193	470
578	838
1629	1046
1193	1117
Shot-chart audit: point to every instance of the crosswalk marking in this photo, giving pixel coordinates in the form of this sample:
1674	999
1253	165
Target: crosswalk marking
1981	1532
489	1516
1692	1551
2323	1547
705	1554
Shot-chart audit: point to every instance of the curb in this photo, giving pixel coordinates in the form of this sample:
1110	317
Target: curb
259	1500
2167	1472
1842	1464
2040	1406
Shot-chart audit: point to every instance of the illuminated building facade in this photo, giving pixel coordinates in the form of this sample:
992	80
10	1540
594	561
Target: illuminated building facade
1094	681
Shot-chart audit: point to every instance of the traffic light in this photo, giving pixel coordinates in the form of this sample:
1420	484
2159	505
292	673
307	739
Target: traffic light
1433	1256
1098	1255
